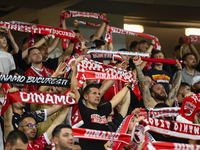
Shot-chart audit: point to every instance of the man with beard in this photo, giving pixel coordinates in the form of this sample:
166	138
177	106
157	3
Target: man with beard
183	90
157	92
189	60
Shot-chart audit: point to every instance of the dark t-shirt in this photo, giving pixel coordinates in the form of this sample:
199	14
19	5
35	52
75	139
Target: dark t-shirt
51	63
161	77
135	103
94	119
113	126
19	62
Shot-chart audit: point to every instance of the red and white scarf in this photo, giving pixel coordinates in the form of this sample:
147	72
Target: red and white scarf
176	129
38	29
42	73
70	13
122	31
159	112
89	70
36	98
118	52
169	146
191	39
96	57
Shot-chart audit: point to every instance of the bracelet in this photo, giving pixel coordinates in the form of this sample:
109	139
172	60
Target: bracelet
180	69
46	37
152	44
127	86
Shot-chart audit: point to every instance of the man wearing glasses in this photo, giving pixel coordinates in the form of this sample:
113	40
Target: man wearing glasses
28	125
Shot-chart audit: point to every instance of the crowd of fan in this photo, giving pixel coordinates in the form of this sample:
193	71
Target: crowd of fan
32	126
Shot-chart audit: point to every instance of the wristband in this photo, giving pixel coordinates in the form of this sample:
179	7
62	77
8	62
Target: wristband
152	44
127	86
46	37
180	69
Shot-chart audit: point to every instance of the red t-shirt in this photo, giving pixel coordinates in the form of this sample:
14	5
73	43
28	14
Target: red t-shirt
39	143
31	72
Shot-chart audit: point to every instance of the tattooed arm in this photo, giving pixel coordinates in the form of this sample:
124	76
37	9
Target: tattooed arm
176	84
149	102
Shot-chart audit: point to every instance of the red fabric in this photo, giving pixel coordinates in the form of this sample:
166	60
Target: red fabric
31	72
122	31
39	29
31	40
88	70
190	106
159	60
36	98
77	47
101	135
123	128
70	13
38	144
169	146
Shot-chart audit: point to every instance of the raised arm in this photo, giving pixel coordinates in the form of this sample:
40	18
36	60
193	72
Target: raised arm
77	28
37	44
57	121
105	86
74	81
149	102
195	52
125	104
68	51
8	127
120	95
13	43
53	45
176	84
99	32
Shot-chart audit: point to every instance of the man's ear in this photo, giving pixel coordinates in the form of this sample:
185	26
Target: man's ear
20	128
193	88
55	139
180	91
7	146
153	94
85	96
184	62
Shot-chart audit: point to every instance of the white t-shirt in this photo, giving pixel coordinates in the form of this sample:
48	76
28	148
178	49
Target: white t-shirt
6	62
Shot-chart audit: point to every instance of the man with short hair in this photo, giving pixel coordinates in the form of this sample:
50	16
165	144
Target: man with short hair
196	84
94	116
29	126
157	93
159	75
19	107
63	137
37	69
16	140
142	46
183	90
189	60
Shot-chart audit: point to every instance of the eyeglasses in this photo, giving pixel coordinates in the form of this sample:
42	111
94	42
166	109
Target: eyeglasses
30	125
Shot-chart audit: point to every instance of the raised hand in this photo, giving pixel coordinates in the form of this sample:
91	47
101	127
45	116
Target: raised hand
137	60
60	70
